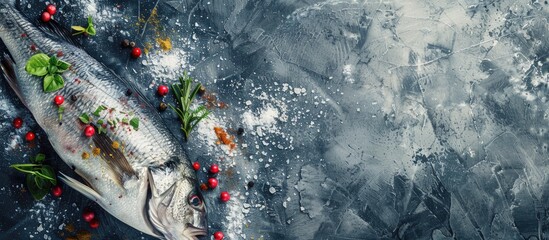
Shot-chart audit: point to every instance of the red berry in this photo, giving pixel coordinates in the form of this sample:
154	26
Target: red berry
214	169
136	52
58	100
88	215
212	182
196	166
46	17
94	223
224	196
29	136
51	9
162	90
89	131
56	191
17	122
218	235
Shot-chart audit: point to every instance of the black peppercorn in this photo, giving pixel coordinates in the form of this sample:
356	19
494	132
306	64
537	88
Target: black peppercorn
240	131
125	43
163	106
250	184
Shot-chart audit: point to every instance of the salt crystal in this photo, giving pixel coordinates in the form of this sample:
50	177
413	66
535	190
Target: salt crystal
272	190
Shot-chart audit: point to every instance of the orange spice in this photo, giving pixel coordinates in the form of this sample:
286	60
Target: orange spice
224	137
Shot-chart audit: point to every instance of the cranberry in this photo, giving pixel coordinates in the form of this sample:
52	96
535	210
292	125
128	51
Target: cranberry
17	122
162	90
94	223
51	9
58	100
56	191
30	136
219	235
214	169
46	17
89	131
136	52
196	166
224	196
88	215
212	182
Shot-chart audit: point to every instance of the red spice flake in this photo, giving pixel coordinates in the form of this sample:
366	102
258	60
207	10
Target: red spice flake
203	187
33	47
222	105
60	54
23	35
78	81
224	137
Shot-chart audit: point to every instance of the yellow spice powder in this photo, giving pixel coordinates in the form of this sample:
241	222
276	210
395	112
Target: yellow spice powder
165	44
115	145
85	155
96	151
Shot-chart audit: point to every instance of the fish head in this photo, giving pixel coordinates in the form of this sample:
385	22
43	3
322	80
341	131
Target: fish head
179	213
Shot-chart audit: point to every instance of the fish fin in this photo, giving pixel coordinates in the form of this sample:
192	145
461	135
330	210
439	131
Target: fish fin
7	66
56	29
115	158
81	188
157	207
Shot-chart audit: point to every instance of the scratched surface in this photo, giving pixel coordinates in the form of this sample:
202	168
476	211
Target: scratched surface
382	119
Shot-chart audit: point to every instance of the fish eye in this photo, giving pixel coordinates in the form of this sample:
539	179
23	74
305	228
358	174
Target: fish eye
195	201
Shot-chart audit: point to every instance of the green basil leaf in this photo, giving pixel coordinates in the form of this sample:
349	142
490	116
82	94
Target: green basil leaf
102	130
49	173
62	66
38	65
40	182
53	61
84	118
40	158
52	69
53	82
37	193
134	122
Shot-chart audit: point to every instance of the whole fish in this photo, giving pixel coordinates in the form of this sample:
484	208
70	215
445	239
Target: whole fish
135	169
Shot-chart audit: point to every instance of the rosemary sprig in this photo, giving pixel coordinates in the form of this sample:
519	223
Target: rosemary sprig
185	94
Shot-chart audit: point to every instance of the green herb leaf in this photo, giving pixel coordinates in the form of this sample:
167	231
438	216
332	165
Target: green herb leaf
38	65
49	174
62	66
53	61
78	29
53	82
185	94
84	118
38	192
99	110
101	129
60	112
39	158
134	122
91	31
125	120
100	122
